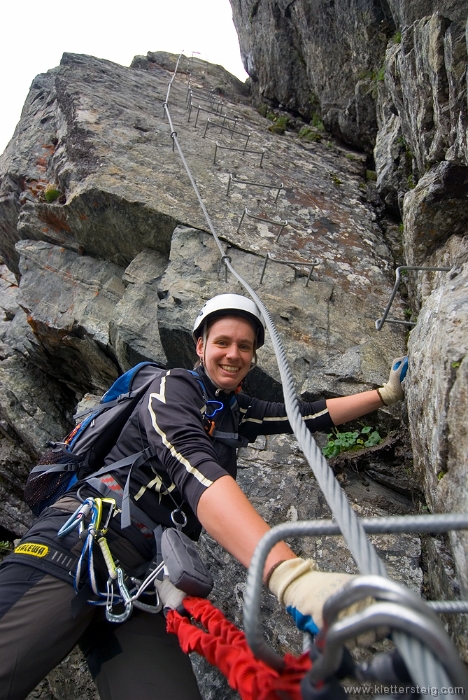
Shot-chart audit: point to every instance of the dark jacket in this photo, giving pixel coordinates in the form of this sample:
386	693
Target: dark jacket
172	419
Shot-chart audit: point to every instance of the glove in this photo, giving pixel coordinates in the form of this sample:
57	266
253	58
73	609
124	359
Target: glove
170	596
303	590
391	392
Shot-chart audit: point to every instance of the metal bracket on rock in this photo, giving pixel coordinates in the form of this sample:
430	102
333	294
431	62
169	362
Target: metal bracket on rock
203	97
380	321
296	263
241	150
249	214
233	180
232	131
199	109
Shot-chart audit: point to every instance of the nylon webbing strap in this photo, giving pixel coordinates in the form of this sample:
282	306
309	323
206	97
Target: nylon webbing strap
56	467
101	487
46	556
231	439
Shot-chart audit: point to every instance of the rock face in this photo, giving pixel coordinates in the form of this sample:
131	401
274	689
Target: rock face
108	257
391	79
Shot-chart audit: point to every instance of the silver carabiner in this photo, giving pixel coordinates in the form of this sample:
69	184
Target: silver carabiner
179	526
77	518
142	586
126	599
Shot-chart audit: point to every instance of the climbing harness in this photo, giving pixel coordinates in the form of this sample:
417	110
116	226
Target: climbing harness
116	587
425	668
176	557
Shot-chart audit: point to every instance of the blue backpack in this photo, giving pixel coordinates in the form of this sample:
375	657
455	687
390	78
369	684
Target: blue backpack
83	451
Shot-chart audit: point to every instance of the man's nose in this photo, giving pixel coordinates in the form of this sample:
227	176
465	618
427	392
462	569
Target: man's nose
233	350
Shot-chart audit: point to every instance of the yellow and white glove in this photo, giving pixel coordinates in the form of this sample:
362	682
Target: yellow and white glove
392	391
303	590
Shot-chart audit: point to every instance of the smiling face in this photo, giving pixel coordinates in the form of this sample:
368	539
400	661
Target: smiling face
228	351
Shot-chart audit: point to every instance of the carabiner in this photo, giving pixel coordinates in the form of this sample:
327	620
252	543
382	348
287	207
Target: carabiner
181	525
77	518
126	599
112	505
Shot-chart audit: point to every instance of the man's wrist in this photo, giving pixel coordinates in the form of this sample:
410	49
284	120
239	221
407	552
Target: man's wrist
380	397
271	570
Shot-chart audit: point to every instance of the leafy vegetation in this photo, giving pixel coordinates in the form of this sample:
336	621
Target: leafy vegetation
380	74
351	440
316	122
280	124
51	193
309	134
335	179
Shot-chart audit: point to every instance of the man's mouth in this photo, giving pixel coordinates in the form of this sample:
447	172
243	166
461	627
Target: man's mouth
230	369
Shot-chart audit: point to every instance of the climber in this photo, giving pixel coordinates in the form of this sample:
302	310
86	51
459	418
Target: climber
196	420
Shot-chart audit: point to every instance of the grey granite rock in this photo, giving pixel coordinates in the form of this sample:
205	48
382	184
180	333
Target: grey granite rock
114	269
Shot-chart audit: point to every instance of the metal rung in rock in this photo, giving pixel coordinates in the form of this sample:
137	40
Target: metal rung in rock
223	127
380	321
199	108
233	180
313	264
247	213
216	105
240	150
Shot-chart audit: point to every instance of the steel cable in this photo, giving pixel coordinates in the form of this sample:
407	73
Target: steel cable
425	669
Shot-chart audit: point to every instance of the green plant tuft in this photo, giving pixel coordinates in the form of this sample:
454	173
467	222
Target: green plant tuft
371	176
280	124
317	123
51	193
380	75
309	134
349	441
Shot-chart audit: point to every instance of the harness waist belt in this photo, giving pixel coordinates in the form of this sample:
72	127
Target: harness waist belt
45	555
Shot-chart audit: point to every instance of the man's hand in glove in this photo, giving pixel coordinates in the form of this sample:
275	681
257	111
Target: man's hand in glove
391	392
303	590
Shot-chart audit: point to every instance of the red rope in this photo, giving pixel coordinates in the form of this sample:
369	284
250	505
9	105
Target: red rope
224	646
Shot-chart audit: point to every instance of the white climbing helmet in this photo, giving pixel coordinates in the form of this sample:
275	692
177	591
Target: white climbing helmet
230	305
